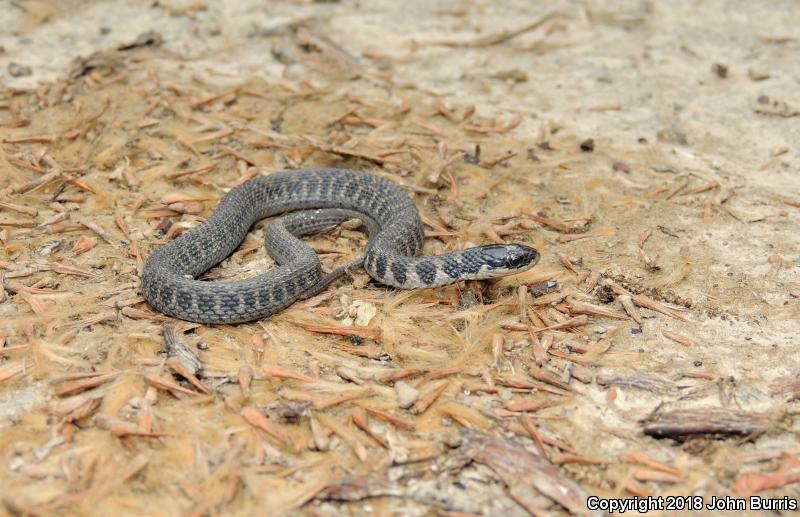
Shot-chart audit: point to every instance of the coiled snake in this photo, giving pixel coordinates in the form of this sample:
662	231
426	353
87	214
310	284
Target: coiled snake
318	198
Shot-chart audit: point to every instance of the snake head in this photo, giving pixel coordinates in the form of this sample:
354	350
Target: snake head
509	258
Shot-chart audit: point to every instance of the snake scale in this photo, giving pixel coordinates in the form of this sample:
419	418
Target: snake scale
317	198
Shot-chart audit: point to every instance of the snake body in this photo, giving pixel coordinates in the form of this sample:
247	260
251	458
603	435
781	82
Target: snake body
317	198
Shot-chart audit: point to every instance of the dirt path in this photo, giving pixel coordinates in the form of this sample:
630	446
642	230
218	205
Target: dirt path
650	151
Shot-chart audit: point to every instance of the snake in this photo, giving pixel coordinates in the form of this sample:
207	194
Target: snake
308	200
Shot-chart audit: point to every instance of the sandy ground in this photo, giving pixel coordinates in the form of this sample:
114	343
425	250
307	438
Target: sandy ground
646	146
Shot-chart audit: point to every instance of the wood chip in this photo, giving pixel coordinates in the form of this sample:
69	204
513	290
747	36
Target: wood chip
257	419
687	422
528	476
71	388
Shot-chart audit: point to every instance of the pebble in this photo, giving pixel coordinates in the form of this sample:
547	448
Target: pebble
519	345
17	70
720	70
296	72
622	167
365	311
407	396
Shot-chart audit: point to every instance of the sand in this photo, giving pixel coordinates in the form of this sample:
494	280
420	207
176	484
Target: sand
649	151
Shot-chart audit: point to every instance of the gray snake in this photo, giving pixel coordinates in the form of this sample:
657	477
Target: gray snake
318	198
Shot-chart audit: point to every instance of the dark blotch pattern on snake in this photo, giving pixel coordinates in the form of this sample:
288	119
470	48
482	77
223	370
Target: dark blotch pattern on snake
317	198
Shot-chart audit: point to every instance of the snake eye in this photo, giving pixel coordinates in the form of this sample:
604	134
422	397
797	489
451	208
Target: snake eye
517	261
521	256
